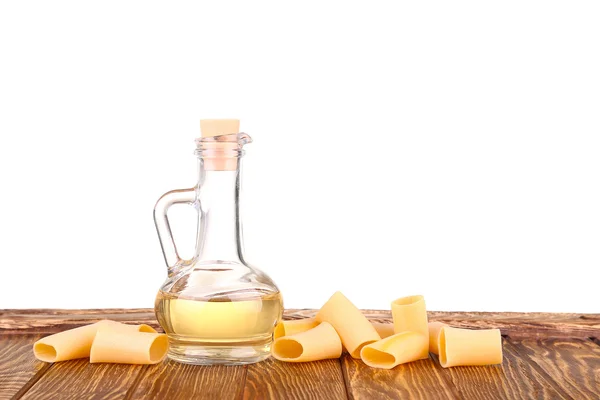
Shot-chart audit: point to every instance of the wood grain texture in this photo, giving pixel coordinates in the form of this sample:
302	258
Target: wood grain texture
573	364
415	380
516	325
554	368
272	379
78	379
18	366
174	381
514	379
524	380
47	321
478	382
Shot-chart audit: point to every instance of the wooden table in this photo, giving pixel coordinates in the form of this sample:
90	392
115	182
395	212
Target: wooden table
553	356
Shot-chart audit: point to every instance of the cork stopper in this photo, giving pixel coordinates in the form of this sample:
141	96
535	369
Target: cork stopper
220	154
216	127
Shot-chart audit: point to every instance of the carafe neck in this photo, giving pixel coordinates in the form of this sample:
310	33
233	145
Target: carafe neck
219	238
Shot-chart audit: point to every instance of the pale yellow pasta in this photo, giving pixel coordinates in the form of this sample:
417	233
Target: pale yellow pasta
121	327
352	326
397	349
76	343
469	347
120	347
409	314
384	329
319	343
434	333
287	328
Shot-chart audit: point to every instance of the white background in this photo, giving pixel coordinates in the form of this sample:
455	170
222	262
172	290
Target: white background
444	148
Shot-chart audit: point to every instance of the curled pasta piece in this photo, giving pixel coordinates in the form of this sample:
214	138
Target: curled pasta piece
384	329
469	347
353	327
409	314
397	349
319	343
434	334
77	342
287	328
120	347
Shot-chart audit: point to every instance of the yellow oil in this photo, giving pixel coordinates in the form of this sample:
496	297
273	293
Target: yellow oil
219	330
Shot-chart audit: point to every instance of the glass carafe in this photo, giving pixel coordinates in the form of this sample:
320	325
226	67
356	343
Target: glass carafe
215	308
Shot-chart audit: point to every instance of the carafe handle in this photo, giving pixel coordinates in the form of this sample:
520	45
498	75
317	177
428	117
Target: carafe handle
161	220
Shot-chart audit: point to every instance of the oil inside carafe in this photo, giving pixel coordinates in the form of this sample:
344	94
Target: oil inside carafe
230	328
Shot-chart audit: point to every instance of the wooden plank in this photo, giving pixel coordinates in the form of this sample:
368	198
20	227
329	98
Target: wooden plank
524	380
78	379
525	325
272	379
573	364
416	380
516	325
173	381
18	366
514	379
48	321
513	324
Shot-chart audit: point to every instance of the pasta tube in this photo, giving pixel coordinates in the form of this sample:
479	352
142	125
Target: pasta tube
469	347
409	314
76	343
120	347
319	343
434	334
383	329
287	328
353	327
394	350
